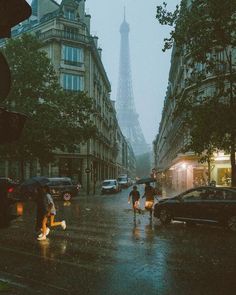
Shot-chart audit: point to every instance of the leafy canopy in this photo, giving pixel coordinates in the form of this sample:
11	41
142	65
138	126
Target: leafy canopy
58	120
204	35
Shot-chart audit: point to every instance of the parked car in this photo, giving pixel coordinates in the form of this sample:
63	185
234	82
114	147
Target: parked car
8	197
10	186
110	186
62	187
215	205
123	181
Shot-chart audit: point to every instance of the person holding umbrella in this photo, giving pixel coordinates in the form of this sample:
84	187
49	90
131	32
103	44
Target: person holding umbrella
149	194
32	189
42	212
135	196
36	188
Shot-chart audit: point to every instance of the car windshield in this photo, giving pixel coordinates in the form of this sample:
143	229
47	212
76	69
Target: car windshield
110	182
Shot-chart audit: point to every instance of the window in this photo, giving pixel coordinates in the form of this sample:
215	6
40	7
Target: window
66	182
192	195
73	82
72	55
69	14
212	194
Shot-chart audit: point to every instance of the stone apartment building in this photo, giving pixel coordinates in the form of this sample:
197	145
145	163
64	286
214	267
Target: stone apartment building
177	170
64	30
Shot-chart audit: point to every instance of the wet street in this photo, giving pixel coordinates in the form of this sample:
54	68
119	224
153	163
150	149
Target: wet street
104	251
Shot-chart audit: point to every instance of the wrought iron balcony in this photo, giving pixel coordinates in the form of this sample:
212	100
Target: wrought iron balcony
59	34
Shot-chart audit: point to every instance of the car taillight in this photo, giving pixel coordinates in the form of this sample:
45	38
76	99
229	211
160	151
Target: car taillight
10	189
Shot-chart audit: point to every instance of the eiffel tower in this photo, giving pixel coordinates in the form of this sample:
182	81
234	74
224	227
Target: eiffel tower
127	116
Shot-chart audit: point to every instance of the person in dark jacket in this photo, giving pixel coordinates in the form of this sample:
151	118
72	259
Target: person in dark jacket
149	194
135	196
41	210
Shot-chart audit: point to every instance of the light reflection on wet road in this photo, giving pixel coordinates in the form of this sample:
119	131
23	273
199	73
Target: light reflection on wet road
105	252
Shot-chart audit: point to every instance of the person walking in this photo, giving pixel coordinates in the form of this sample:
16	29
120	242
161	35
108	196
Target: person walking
149	194
41	212
135	196
50	213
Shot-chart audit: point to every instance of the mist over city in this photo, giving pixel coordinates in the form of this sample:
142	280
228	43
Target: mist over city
117	147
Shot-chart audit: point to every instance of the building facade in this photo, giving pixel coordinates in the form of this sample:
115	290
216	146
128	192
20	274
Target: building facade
180	170
64	30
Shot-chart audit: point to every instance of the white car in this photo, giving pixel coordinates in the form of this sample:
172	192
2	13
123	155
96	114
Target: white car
110	186
123	181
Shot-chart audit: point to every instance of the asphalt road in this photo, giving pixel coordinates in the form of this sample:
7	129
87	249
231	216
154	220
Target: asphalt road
104	251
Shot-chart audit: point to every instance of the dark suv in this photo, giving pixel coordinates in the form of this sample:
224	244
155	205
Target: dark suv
62	187
215	205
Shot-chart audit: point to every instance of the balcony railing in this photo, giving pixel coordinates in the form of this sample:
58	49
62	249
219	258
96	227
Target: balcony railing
54	33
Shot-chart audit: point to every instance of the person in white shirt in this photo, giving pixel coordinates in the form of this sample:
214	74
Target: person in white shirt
51	213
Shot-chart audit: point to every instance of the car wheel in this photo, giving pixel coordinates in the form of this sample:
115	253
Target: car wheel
66	196
165	216
231	223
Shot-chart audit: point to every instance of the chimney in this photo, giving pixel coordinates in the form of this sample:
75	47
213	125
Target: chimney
95	39
100	52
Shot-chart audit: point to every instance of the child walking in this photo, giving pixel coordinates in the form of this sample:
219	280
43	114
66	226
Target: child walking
51	212
149	194
135	195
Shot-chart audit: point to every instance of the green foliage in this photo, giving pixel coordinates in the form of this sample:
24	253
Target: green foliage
201	26
205	35
56	119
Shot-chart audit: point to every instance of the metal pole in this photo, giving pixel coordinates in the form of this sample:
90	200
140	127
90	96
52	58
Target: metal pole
88	174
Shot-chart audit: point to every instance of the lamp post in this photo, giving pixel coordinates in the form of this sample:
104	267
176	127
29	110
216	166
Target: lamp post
87	170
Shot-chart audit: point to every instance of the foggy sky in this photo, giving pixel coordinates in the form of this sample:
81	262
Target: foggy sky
150	66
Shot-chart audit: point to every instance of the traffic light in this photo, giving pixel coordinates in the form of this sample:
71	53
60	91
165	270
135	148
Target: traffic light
11	125
12	12
5	78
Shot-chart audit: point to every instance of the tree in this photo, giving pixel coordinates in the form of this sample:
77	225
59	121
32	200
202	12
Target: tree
57	120
204	33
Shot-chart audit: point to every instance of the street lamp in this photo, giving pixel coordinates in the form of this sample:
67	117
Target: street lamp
87	170
184	166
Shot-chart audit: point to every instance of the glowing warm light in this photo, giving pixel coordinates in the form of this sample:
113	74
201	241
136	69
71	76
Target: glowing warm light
66	203
19	209
184	166
221	157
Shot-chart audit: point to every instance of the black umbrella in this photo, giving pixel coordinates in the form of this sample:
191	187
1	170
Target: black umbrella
145	180
30	185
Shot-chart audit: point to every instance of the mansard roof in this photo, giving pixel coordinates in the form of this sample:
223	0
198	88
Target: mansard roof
72	3
34	6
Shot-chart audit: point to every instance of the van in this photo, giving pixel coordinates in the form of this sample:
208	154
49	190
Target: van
62	187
